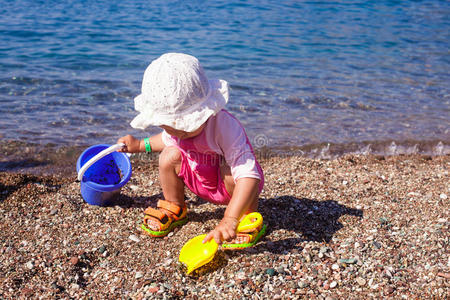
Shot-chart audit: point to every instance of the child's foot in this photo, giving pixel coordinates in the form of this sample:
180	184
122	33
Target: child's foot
159	222
245	239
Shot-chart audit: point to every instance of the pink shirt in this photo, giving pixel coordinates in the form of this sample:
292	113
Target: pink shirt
225	136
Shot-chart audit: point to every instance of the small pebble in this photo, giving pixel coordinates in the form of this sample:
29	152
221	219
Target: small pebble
349	261
308	258
333	285
134	238
361	281
138	275
323	249
384	221
30	265
74	260
376	244
270	272
443	196
335	267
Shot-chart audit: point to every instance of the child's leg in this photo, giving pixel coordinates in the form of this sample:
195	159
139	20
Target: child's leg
225	173
170	212
169	168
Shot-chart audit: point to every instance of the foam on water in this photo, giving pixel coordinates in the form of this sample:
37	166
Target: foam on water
333	151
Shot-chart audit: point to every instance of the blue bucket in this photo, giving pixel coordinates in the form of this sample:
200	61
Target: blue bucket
102	181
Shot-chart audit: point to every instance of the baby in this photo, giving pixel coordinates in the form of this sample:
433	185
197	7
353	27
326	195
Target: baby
203	147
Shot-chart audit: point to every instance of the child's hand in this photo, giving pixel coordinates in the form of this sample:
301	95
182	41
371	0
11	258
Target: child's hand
225	231
132	144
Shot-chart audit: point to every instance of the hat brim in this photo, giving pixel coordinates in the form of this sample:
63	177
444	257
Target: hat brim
189	120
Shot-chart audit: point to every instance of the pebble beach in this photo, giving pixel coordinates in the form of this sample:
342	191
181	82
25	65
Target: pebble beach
348	228
345	102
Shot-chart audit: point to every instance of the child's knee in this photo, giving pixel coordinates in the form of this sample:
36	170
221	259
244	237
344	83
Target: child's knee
170	157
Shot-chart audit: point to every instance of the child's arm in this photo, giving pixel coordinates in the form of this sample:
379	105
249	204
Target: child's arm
244	199
134	145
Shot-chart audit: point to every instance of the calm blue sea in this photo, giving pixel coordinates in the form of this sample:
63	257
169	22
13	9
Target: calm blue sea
302	73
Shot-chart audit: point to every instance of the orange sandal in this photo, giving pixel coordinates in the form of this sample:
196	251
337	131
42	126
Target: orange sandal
166	218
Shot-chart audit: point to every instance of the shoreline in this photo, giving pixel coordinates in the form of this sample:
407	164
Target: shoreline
351	227
53	159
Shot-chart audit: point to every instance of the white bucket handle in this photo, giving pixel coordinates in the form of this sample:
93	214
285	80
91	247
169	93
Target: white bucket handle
99	155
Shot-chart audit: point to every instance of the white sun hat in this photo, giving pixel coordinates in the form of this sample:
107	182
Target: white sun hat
177	93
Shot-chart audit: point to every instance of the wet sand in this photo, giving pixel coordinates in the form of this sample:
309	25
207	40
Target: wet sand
352	227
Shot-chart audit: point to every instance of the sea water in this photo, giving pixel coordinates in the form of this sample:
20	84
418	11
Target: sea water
303	74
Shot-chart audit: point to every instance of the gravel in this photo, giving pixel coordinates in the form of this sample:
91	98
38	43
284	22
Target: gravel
353	227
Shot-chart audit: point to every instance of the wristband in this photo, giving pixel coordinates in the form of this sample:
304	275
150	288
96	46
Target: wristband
148	148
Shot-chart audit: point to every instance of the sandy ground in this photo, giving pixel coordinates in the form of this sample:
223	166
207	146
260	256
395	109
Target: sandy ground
355	227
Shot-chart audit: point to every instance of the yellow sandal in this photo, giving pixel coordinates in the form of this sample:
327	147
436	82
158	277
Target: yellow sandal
249	232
